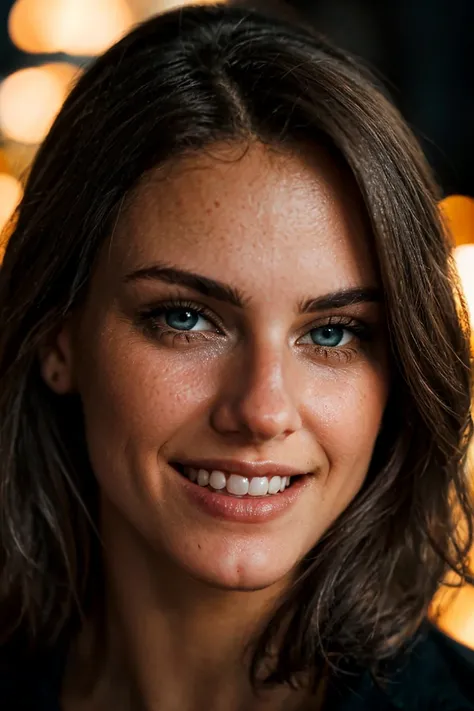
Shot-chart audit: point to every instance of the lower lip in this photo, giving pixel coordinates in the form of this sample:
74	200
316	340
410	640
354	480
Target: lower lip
245	509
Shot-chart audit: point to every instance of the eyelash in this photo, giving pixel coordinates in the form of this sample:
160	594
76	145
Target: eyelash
148	320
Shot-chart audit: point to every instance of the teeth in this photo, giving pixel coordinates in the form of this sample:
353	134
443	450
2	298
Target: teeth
274	485
217	480
238	485
258	486
203	477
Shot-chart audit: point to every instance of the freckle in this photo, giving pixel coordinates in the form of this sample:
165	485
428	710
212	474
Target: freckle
217	203
209	211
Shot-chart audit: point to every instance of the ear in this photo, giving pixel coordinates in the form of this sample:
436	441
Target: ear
56	362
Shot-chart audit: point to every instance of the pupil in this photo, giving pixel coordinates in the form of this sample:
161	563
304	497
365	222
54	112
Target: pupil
182	319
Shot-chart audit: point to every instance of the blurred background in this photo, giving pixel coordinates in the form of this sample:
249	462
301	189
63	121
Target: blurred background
422	50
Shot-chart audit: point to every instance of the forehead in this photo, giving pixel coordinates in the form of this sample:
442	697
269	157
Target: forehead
241	213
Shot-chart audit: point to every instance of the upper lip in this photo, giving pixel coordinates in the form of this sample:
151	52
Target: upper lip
248	469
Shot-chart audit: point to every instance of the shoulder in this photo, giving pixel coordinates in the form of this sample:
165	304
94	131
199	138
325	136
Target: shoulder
438	673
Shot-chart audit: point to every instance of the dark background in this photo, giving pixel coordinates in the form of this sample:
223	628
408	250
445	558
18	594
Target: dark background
422	49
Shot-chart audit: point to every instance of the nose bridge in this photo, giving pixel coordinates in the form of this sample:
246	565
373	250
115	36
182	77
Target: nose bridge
261	400
267	379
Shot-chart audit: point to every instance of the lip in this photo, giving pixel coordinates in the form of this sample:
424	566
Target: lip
245	509
248	469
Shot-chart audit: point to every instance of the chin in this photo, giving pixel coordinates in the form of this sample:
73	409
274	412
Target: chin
248	567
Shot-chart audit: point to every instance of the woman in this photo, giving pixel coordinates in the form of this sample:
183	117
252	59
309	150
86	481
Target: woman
234	388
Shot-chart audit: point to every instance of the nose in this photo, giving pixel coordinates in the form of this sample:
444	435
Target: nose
258	400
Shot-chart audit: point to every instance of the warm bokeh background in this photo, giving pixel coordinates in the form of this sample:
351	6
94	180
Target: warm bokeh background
423	51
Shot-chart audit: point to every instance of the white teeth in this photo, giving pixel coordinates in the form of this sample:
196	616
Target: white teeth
258	486
203	477
238	485
274	485
217	480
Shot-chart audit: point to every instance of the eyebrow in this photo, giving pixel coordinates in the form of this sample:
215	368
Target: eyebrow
340	299
196	282
230	295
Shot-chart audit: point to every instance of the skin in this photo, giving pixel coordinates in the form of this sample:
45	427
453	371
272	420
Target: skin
186	591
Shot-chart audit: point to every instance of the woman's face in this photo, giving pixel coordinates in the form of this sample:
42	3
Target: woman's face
233	326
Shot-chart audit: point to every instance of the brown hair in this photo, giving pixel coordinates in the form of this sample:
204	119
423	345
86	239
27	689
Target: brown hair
176	84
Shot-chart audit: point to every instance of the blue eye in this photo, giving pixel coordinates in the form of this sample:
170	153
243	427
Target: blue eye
182	319
330	336
179	317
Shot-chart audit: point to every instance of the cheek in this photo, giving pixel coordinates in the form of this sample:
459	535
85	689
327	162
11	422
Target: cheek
137	396
346	414
344	411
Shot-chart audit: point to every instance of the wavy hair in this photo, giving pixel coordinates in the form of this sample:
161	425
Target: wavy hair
175	85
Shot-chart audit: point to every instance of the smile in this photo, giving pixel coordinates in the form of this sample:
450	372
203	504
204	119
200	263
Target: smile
246	492
236	484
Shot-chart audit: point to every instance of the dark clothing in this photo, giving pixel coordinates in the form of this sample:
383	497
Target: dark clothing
438	674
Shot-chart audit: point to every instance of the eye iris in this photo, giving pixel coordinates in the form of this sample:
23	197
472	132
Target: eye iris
182	319
330	336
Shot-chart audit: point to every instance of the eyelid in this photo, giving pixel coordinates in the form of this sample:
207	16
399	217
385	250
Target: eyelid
337	320
348	322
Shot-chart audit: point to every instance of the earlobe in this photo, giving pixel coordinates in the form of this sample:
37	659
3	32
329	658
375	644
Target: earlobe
56	362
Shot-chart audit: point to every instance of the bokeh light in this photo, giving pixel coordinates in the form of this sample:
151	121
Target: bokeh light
76	27
31	25
64	73
458	213
30	100
10	195
4	166
464	256
146	8
92	26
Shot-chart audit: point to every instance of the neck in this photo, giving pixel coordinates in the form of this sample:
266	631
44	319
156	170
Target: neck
168	641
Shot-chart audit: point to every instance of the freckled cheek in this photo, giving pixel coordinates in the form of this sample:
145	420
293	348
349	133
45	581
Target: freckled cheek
143	392
345	413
